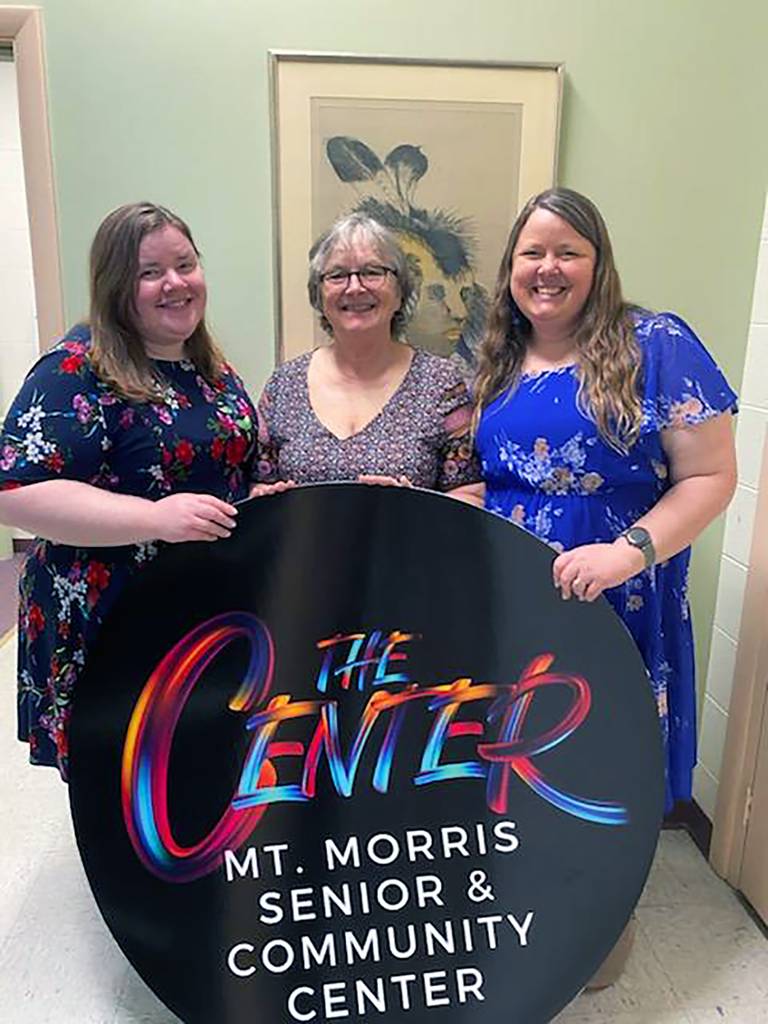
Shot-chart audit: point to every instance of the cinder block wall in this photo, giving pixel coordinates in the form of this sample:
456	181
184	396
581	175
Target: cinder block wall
740	523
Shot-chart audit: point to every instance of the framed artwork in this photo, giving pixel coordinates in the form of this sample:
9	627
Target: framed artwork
443	153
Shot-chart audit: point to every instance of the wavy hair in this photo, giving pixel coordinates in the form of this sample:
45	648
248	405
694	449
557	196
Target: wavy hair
117	352
608	355
343	234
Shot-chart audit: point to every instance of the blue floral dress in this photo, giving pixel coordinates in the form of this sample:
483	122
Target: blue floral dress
66	423
547	469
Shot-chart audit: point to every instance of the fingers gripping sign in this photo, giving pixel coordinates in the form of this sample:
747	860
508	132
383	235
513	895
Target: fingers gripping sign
263	490
586	571
183	517
384	481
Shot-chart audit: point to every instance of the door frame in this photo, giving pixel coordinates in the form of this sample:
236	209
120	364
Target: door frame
23	26
748	699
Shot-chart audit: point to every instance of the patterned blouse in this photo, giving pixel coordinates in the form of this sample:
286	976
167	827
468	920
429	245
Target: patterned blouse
422	432
66	423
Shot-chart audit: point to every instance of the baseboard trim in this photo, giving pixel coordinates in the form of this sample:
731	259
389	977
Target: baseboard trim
689	816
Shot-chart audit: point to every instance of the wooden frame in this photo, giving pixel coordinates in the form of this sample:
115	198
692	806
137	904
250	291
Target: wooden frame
24	27
456	147
745	715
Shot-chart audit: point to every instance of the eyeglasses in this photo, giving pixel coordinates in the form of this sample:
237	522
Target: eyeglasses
372	276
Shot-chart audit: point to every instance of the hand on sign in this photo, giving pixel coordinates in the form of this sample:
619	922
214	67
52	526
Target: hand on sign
384	481
262	490
585	572
181	517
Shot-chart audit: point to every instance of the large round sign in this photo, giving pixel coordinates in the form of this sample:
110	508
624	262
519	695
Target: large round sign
360	759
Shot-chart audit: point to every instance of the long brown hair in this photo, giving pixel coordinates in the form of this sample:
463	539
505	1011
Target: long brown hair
609	357
117	351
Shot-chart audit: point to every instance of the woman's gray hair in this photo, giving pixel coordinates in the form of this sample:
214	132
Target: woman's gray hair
344	234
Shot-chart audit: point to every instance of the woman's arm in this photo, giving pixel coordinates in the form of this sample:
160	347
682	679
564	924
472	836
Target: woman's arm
76	513
702	464
473	494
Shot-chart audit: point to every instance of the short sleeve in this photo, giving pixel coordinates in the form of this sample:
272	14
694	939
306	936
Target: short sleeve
55	427
682	384
458	462
266	468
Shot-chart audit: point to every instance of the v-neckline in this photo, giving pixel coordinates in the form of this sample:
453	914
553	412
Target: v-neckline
374	418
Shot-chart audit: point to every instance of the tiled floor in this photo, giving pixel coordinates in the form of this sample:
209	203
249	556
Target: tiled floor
698	958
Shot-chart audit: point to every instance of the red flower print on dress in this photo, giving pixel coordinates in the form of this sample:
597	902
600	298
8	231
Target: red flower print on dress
72	364
55	462
97	574
35	621
97	577
185	452
74	346
60	734
236	449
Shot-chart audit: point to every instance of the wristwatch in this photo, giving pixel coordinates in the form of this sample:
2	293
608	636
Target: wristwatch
639	538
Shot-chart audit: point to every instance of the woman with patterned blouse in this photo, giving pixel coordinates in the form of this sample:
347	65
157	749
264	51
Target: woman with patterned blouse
130	430
367	407
604	429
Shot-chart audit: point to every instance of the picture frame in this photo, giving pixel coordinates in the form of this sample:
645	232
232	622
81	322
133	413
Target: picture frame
443	152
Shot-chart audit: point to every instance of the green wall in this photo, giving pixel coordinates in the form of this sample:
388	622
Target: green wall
663	125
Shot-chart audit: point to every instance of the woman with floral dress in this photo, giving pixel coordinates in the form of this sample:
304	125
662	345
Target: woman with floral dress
367	407
130	430
603	429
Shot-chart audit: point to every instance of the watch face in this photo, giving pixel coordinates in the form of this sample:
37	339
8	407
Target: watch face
638	536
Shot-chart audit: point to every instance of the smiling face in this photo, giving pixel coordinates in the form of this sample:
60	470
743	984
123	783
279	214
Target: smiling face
170	292
353	306
552	272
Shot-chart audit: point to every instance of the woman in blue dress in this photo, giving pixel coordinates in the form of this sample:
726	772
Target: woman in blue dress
130	430
603	429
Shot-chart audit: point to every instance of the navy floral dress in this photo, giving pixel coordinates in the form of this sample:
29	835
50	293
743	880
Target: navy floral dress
547	469
66	423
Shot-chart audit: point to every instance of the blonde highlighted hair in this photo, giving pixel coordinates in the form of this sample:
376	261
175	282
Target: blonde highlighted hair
608	354
117	350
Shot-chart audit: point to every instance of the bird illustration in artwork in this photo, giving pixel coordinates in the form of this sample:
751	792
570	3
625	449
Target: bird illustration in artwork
451	306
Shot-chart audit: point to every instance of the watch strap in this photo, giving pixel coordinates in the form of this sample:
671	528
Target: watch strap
639	538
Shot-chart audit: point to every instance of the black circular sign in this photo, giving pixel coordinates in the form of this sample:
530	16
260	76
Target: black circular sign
361	759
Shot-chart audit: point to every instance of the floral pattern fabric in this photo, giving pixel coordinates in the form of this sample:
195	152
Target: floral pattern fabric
66	423
422	432
547	469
